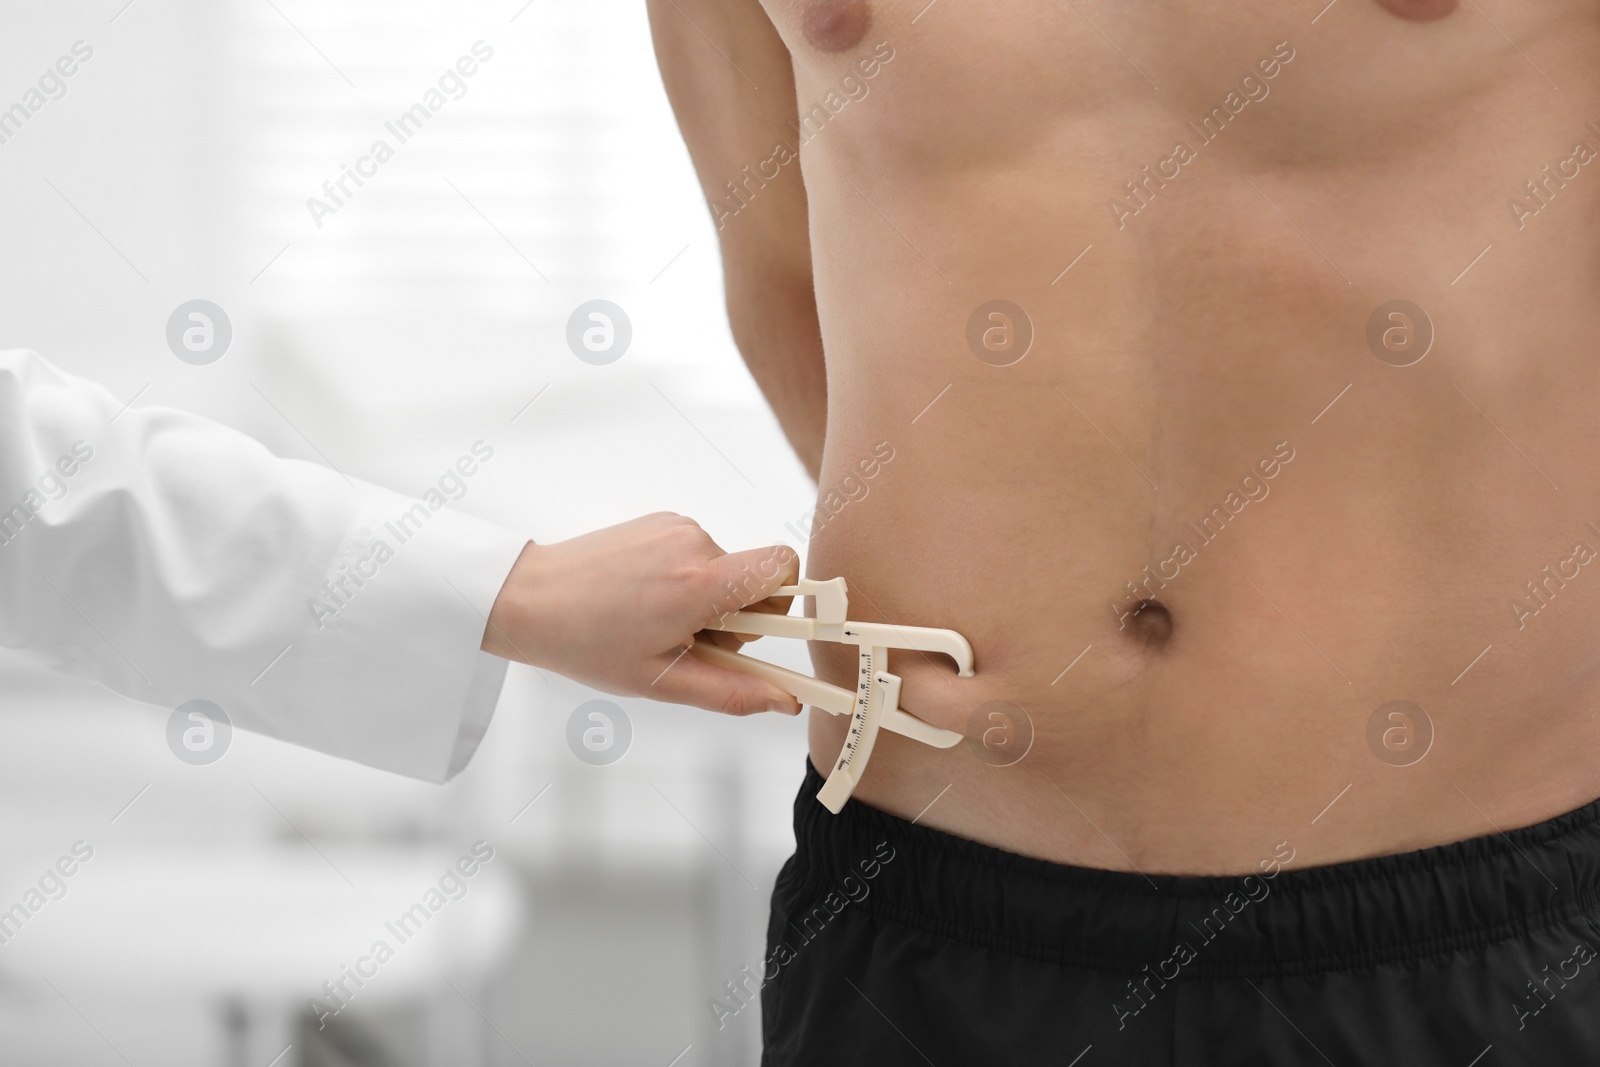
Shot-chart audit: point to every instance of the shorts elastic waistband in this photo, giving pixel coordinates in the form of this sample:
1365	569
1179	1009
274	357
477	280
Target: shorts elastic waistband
1279	921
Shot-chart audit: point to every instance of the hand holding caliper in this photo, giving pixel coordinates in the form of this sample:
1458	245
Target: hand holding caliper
875	701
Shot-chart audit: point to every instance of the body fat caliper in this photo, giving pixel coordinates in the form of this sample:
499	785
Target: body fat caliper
876	699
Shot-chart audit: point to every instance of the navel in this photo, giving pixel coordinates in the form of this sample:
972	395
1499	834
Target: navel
1419	10
1151	624
836	25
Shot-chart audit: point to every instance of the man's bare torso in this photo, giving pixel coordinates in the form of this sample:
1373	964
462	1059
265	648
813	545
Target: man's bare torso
1249	551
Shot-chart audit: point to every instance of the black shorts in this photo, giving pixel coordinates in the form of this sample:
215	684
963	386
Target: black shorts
891	943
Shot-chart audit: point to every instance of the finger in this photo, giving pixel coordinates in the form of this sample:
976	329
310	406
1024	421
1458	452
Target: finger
697	683
752	576
723	639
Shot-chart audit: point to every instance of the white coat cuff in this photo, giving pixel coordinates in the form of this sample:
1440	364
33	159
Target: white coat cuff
419	623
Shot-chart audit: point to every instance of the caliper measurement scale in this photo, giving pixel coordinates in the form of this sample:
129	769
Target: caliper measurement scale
876	700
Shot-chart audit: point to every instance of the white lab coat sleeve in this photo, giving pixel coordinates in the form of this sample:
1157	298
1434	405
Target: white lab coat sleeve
171	559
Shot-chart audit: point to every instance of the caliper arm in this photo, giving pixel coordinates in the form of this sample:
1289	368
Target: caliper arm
875	701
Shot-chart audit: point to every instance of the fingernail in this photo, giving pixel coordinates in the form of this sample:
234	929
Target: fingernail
788	707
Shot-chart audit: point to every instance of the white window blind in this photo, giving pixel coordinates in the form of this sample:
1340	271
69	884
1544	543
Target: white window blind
508	178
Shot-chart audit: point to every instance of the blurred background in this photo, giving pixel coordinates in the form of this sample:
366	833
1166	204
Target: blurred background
427	311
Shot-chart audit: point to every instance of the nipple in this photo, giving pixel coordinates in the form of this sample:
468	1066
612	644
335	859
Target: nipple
1419	10
836	25
1151	623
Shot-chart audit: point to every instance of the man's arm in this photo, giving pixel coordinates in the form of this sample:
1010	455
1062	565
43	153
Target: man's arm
736	111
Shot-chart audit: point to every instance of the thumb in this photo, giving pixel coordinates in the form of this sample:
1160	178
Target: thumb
693	681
